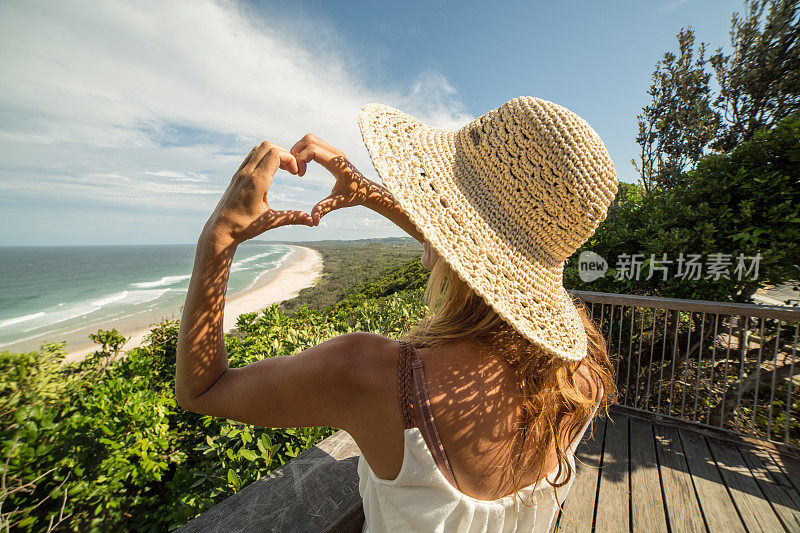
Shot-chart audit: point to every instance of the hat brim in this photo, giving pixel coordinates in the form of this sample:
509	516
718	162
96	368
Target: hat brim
427	172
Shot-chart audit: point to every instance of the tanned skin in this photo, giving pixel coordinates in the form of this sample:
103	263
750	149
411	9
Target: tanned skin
340	383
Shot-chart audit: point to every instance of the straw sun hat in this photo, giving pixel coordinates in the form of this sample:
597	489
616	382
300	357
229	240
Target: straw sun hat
504	200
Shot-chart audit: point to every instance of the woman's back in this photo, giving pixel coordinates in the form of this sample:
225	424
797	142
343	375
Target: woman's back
476	406
476	411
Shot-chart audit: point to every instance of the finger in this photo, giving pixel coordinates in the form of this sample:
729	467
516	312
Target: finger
313	139
298	146
275	158
310	140
291	166
259	152
290	217
312	148
325	206
301	167
246	159
274	219
305	156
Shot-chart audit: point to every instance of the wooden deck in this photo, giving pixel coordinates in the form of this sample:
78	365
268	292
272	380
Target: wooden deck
657	476
654	476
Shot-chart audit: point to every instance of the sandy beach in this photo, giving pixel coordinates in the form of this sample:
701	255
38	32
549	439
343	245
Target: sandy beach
300	270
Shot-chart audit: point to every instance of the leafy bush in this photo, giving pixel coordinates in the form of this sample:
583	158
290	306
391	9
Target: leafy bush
102	444
744	202
411	275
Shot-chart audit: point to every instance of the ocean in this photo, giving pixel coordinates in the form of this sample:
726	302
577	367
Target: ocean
63	293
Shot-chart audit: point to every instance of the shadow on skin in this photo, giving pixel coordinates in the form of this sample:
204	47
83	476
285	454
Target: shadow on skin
355	190
477	408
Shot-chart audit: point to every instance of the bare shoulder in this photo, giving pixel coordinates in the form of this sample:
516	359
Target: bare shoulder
374	419
359	361
370	358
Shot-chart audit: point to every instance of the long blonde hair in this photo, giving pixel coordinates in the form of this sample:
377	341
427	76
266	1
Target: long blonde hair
554	407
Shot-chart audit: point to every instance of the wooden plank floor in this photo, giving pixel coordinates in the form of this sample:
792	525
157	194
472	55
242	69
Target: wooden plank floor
638	474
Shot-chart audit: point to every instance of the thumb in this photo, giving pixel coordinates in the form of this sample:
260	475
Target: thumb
292	217
275	219
325	206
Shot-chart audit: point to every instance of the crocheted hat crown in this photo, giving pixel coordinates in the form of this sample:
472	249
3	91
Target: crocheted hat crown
504	200
545	168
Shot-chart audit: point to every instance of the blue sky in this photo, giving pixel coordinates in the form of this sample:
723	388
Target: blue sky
121	122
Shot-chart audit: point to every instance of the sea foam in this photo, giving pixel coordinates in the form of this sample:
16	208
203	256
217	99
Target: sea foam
18	319
238	266
163	282
110	299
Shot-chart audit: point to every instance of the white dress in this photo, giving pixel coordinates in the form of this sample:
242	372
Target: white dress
421	499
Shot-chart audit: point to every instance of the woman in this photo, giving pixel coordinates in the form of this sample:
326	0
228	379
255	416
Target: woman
481	406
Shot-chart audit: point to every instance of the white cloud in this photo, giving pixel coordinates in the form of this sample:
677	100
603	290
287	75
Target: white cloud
179	176
671	6
153	104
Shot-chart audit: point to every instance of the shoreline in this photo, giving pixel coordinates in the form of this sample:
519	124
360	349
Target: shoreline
300	270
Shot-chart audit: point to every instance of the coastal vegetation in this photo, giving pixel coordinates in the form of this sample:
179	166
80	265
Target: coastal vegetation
741	202
348	264
102	444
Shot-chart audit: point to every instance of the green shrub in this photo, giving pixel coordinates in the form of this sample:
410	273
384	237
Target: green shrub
103	445
744	202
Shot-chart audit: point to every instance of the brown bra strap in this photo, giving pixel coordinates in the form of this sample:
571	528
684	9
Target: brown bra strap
422	401
405	385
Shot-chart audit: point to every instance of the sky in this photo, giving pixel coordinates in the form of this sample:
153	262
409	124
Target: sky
122	122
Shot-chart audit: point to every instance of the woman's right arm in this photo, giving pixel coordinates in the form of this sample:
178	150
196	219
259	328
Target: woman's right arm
351	188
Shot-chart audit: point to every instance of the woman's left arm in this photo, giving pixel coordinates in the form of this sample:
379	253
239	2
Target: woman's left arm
261	393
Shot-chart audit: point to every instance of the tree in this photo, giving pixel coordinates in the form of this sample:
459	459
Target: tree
676	128
759	85
760	80
747	202
744	202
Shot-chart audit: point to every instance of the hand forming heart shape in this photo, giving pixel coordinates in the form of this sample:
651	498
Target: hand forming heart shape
351	187
243	212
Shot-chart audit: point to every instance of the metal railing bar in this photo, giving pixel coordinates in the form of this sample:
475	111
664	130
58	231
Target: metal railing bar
674	355
661	369
774	375
677	304
725	378
758	375
686	362
630	355
639	357
602	314
699	364
743	351
789	387
650	363
611	336
713	366
619	340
